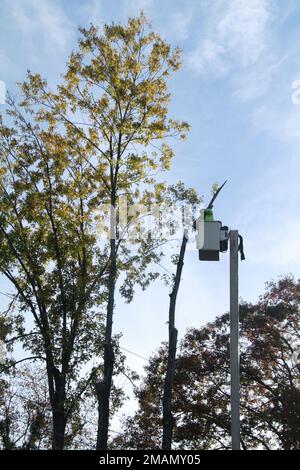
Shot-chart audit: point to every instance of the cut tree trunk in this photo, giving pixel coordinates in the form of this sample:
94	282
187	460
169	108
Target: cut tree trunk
168	418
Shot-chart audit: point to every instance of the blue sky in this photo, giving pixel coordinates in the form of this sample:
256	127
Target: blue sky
240	60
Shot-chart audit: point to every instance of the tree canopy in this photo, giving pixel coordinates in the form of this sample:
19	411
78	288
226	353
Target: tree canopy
66	153
270	388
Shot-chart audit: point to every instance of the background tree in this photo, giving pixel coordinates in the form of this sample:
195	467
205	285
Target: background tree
270	388
25	412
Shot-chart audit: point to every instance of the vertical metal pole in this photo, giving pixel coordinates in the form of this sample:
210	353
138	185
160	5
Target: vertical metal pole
234	340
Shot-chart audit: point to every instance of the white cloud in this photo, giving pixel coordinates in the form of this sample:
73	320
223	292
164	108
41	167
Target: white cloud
285	252
44	17
238	35
92	11
21	18
259	79
135	6
244	28
2	92
179	25
209	56
279	120
268	214
141	4
4	61
274	246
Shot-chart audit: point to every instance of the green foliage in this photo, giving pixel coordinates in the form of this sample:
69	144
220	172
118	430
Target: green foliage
101	134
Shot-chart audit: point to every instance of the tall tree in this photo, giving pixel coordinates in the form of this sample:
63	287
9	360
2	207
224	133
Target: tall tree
117	83
50	256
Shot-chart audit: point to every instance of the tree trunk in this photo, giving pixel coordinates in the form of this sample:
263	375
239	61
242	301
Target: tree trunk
168	418
103	387
59	428
58	409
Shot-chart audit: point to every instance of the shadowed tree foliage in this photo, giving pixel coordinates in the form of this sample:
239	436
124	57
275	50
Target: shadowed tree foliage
49	254
25	412
270	387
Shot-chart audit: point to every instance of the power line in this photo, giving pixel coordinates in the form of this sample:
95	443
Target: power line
135	354
11	296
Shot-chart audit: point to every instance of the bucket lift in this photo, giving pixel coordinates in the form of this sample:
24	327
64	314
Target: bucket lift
212	237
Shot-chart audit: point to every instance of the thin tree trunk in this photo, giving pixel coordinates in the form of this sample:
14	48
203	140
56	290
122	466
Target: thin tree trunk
103	387
168	418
